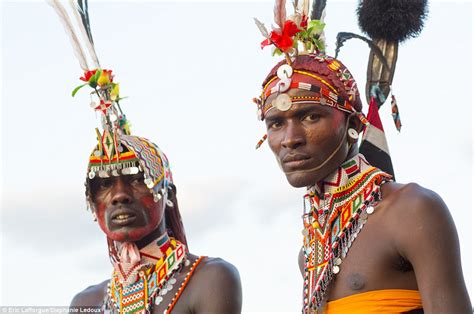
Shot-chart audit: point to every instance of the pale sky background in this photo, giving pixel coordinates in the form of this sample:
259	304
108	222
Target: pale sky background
190	70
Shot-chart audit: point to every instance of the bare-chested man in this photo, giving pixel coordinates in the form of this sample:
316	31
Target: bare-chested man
132	196
147	243
370	245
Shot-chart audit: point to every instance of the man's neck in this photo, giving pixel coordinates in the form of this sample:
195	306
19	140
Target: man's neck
155	234
319	186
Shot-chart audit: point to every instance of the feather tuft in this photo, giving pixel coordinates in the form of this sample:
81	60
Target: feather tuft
305	8
262	28
394	20
82	16
76	45
318	9
280	13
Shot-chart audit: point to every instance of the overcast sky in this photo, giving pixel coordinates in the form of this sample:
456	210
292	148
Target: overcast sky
190	71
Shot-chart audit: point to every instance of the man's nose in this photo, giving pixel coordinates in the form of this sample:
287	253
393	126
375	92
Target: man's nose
294	136
121	193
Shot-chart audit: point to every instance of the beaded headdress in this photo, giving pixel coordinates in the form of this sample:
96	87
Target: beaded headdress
117	151
300	38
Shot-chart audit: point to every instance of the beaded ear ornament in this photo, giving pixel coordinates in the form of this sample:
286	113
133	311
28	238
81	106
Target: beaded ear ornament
300	35
117	151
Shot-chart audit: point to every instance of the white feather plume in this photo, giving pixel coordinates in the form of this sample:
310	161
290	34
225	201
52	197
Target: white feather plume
76	45
85	37
305	8
262	28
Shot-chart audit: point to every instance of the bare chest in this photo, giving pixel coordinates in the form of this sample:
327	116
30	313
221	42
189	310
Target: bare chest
372	263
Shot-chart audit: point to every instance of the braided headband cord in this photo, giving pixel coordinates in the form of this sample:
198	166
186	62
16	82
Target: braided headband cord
305	73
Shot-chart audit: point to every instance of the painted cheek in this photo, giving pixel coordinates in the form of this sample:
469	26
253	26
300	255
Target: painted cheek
100	212
153	217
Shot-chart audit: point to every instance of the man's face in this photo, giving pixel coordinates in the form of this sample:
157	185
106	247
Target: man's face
305	137
125	208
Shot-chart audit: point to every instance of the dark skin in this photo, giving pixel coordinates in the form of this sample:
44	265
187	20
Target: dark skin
215	285
409	242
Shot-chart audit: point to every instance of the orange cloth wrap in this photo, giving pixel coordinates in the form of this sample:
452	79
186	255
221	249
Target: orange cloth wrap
379	301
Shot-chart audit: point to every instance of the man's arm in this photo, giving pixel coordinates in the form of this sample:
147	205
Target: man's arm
219	288
93	296
427	237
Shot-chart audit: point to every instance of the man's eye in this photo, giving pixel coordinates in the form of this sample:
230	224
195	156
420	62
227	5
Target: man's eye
136	180
311	117
104	184
274	125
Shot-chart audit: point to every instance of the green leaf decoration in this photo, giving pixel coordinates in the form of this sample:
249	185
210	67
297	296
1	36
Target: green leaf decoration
95	77
277	52
315	27
319	44
78	88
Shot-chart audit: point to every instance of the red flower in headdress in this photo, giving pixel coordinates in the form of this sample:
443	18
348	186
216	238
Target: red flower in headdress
282	38
88	75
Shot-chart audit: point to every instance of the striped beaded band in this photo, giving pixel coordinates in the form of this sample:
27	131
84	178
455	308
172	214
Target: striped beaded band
327	96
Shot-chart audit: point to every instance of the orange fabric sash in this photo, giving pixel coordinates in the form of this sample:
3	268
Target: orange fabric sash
388	301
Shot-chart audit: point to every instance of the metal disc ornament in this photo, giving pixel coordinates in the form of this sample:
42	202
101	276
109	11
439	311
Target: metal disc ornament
284	72
282	102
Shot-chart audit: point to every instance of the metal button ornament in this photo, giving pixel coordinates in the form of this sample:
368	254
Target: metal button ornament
259	114
353	134
370	210
284	72
103	174
283	85
282	102
335	269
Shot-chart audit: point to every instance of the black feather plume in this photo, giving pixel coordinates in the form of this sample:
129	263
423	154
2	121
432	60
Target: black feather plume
392	20
84	13
317	9
342	37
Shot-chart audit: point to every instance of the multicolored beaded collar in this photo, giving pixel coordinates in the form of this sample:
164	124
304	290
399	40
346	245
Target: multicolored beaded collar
335	211
150	282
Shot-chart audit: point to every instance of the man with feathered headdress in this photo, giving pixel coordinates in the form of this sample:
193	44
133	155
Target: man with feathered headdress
370	245
131	194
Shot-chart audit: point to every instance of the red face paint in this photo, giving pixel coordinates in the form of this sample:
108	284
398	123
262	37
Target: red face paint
149	214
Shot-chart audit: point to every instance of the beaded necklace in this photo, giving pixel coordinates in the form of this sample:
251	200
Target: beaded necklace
151	284
334	213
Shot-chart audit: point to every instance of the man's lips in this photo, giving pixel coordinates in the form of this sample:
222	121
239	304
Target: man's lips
295	161
123	216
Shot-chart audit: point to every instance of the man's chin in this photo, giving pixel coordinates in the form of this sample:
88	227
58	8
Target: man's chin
127	233
302	179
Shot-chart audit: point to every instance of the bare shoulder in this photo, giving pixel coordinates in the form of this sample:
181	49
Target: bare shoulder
417	216
403	201
216	267
92	296
217	280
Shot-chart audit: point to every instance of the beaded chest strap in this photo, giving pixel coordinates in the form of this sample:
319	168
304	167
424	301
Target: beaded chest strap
151	284
332	221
